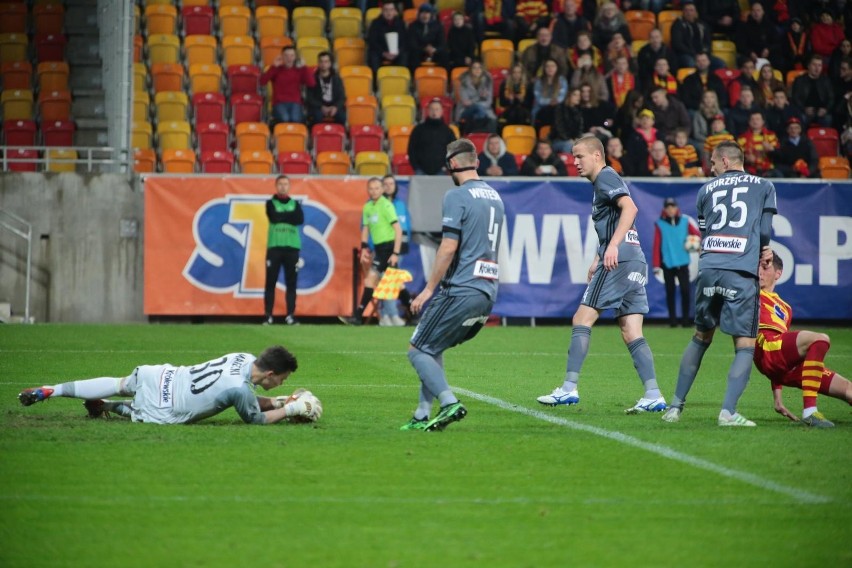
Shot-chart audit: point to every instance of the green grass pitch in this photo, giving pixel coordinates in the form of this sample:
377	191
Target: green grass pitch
515	484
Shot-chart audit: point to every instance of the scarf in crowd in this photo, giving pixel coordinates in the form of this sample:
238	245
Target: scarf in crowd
493	11
653	164
669	82
621	85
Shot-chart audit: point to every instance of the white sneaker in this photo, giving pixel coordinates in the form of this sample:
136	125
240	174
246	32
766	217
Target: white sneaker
397	321
735	419
385	321
672	414
559	396
647	405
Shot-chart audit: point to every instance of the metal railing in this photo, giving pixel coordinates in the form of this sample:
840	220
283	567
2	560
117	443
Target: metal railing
23	229
91	159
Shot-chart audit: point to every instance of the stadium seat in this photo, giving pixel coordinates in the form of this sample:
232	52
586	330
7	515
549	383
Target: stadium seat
372	164
208	107
791	76
197	20
357	80
256	162
266	2
17	104
525	43
218	162
683	73
497	53
520	140
160	19
398	110
637	44
294	163
398	139
401	165
270	48
271	21
19	132
50	47
13	18
308	22
328	137
163	48
140	77
497	78
568	160
138	47
141	135
57	133
141	105
727	75
455	129
17	75
226	2
234	21
48	18
205	78
200	49
393	80
246	107
237	50
252	136
349	51
290	137
178	161
725	50
212	136
13	47
371	14
52	76
446	103
54	105
665	19
640	23
333	163
478	139
144	161
834	167
455	80
825	140
362	110
61	160
244	79
167	77
22	160
366	138
174	135
455	5
171	105
309	49
345	22
430	81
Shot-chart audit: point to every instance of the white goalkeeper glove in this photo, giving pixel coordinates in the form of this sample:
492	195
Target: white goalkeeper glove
304	407
281	401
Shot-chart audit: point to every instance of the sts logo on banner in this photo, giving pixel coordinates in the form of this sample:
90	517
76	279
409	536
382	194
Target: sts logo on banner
230	246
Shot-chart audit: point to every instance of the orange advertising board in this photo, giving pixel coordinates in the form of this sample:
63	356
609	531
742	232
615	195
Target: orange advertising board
205	245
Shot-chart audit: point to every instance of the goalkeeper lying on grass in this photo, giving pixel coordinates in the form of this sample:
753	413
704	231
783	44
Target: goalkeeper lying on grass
165	394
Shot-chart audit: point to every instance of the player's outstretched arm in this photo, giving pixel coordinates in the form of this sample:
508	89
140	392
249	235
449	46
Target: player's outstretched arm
779	404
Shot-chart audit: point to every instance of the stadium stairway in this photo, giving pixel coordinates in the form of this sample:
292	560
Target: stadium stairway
86	79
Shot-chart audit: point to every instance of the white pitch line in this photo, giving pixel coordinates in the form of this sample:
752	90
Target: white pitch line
749	478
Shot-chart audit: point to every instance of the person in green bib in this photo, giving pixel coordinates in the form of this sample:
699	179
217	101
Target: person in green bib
379	222
282	248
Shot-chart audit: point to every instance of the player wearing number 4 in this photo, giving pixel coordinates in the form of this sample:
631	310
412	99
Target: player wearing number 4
466	269
616	278
735	213
165	394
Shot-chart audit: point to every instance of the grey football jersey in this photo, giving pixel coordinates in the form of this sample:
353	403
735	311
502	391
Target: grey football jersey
729	213
473	213
609	187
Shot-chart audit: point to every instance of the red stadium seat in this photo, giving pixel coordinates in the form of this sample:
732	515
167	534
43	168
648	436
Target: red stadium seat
50	47
401	166
17	75
16	166
58	133
568	160
825	140
727	75
328	137
48	18
19	132
366	138
246	107
244	79
13	18
519	159
197	20
478	139
212	136
218	162
208	107
294	163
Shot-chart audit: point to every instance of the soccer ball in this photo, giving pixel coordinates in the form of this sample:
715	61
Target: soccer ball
693	243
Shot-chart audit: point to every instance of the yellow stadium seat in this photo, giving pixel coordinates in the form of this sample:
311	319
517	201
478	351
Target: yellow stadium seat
174	135
52	76
430	81
683	73
232	3
308	22
345	22
349	51
205	78
160	19
362	110
525	43
357	80
141	134
237	50
398	138
497	53
393	80
17	104
256	162
271	21
637	44
167	77
200	49
270	48
234	21
309	49
141	105
290	137
640	23
665	19
726	51
140	77
398	110
370	15
457	5
195	3
333	163
252	136
171	105
61	160
13	47
372	164
177	161
163	48
520	139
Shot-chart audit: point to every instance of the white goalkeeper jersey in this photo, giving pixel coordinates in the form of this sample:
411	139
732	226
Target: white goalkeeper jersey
178	395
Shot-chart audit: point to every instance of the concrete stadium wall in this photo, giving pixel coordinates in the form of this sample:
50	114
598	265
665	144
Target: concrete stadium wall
87	247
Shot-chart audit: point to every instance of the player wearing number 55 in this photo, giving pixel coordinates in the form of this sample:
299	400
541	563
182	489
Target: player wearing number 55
168	394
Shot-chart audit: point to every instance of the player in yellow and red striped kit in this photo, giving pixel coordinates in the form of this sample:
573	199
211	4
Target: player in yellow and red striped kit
793	358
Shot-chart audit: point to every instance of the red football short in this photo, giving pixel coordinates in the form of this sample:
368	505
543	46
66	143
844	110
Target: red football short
783	364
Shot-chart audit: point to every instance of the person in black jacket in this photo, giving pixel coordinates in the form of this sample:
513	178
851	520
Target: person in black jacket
647	58
461	43
796	157
428	142
812	91
543	162
694	85
426	39
326	100
378	51
689	36
568	24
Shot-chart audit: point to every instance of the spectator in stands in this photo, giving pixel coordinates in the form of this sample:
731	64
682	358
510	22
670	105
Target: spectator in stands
627	115
826	34
708	109
739	116
615	155
495	160
795	45
549	90
767	83
796	157
584	47
567	123
516	97
608	22
718	134
812	91
691	36
568	24
843	51
696	84
586	73
621	81
669	114
744	79
492	15
617	48
781	111
288	75
646	60
597	114
427	145
543	162
637	144
757	37
662	77
842	90
535	55
758	143
426	39
530	15
387	40
461	43
326	99
475	98
722	16
685	155
660	163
